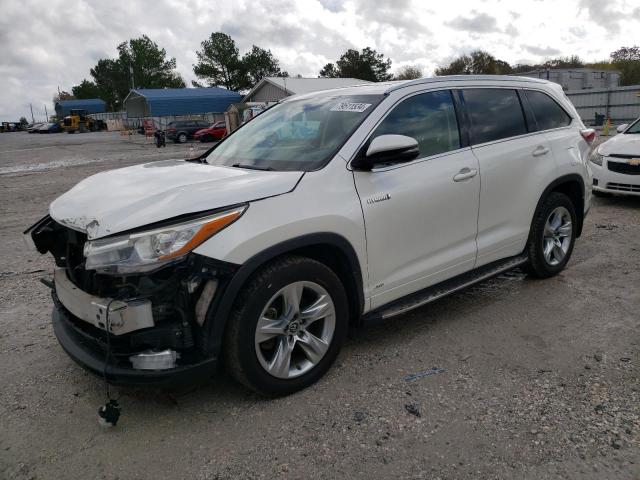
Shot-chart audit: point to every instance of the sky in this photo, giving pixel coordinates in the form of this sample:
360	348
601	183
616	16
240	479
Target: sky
46	45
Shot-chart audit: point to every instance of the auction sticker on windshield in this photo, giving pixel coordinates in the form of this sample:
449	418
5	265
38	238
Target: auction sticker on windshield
350	107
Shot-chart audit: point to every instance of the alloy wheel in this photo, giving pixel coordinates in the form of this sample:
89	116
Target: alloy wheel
295	329
556	239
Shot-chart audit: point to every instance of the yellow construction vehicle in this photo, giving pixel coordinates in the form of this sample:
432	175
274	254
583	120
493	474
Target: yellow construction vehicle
78	121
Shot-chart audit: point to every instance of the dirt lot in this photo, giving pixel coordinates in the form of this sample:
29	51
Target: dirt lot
539	379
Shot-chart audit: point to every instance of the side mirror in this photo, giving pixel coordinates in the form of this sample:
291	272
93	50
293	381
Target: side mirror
622	128
387	149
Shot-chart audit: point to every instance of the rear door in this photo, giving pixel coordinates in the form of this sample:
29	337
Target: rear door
516	165
554	123
421	216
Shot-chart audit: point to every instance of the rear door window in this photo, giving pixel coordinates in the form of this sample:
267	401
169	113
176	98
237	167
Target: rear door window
548	114
430	118
494	114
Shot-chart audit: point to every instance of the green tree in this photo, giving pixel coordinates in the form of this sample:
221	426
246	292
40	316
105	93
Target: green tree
626	54
573	61
63	96
408	72
219	63
151	68
627	60
139	60
259	63
23	121
112	82
365	65
86	89
477	62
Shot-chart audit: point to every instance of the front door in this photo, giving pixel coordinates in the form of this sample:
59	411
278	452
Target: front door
420	217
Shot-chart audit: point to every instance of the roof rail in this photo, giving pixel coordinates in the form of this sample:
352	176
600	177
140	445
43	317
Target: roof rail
460	78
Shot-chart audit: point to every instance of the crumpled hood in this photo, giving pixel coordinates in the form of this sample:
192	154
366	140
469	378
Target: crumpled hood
126	198
622	144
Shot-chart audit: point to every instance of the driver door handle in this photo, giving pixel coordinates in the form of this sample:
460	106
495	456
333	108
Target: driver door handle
465	174
539	151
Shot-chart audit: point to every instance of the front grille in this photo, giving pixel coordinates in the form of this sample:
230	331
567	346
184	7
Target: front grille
624	187
625	168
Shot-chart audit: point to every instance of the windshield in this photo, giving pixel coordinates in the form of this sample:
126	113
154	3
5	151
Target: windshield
300	135
635	128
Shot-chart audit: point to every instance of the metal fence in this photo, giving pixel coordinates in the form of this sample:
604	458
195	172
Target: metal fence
620	104
121	121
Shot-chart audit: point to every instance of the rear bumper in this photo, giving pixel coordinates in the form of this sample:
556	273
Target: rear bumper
81	350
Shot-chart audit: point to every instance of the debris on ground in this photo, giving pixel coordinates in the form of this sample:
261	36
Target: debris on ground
415	376
413	409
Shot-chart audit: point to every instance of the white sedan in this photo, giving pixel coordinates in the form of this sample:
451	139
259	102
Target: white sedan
616	163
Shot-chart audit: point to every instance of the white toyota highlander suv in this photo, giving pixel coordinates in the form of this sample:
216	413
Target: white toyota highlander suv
326	210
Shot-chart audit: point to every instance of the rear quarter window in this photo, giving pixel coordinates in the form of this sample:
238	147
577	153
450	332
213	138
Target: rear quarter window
494	114
548	114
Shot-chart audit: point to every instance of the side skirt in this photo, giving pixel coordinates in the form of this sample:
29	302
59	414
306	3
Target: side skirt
430	294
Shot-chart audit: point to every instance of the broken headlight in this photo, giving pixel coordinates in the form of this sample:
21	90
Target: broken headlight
146	251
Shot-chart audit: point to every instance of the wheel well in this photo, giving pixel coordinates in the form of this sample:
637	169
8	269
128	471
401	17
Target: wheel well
334	258
574	191
333	250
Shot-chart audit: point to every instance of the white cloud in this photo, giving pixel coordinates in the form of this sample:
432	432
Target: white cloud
55	43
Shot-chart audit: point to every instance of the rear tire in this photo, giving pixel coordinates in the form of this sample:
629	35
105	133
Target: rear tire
552	236
271	345
182	137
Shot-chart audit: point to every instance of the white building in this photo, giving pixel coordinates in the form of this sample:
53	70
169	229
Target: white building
272	89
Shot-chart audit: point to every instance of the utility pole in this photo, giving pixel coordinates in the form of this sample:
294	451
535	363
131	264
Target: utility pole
32	119
46	114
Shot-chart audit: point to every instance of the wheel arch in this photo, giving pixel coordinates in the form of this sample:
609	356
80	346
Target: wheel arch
331	249
571	185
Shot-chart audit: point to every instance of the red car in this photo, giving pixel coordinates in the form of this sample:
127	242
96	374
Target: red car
214	132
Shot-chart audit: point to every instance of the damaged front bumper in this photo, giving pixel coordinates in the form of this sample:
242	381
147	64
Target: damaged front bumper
84	351
136	329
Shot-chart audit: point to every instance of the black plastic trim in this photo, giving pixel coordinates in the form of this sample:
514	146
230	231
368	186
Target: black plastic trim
572	177
464	124
445	288
79	351
529	117
220	308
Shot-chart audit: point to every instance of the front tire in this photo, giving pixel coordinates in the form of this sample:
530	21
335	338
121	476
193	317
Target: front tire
287	326
552	236
182	138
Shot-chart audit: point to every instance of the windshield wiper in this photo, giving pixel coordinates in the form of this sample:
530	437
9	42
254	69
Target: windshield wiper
252	167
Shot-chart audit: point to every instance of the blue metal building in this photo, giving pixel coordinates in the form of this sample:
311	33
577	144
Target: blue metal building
91	105
163	102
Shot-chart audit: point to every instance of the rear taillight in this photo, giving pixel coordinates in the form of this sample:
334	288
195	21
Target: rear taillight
171	129
589	134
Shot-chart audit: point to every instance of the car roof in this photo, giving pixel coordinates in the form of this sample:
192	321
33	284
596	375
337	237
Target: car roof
382	88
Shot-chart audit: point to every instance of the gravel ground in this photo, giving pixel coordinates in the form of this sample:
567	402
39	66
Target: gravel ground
528	379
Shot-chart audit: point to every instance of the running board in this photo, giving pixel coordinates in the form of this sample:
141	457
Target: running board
445	288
